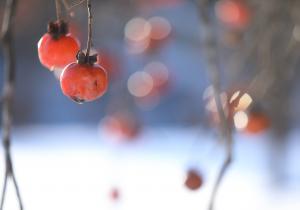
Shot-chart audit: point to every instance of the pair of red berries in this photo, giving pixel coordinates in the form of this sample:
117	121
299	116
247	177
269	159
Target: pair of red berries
82	79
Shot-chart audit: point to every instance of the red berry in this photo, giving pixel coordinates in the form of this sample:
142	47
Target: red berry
84	82
193	180
57	48
57	53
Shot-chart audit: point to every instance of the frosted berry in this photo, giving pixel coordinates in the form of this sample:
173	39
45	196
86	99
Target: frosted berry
57	48
84	81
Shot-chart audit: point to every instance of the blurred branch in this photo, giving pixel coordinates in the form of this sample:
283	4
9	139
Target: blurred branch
210	48
8	91
58	9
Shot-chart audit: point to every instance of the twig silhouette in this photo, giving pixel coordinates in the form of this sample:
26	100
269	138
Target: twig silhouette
210	49
8	92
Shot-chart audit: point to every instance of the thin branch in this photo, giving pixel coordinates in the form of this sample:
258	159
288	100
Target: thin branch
8	91
89	41
210	47
219	180
18	193
4	190
58	9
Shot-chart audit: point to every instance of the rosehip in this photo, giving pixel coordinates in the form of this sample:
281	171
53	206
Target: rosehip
57	48
84	81
193	180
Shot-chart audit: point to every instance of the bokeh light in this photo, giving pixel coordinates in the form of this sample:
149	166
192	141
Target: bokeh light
159	73
244	101
240	120
137	29
160	28
140	84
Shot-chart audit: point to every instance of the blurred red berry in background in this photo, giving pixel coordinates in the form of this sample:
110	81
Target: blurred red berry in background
122	126
257	122
234	13
114	194
194	180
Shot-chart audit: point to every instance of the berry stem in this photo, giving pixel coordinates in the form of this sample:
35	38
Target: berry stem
8	91
89	41
58	9
211	53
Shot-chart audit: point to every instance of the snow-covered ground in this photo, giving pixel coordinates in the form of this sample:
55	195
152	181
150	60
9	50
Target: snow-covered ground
74	167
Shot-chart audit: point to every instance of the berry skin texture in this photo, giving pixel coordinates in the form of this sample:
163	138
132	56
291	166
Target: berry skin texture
83	82
193	180
55	54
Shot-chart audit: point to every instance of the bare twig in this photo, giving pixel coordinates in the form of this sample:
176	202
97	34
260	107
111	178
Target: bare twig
4	189
8	90
89	41
58	9
210	47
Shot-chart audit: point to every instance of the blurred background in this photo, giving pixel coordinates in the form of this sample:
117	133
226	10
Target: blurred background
135	147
